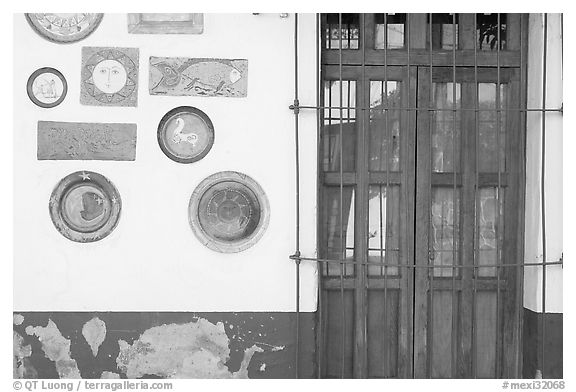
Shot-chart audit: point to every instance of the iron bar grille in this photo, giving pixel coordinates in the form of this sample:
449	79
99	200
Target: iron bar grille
421	130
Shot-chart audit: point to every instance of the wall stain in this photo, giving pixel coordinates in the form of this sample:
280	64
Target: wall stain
109	375
18	319
56	348
94	331
199	349
22	366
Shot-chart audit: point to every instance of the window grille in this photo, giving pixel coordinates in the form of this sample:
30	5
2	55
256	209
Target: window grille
448	203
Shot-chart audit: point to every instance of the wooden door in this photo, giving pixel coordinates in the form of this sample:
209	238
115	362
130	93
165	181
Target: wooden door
421	172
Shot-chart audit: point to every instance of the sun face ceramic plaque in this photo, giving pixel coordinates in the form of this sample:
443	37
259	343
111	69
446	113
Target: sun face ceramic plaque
198	77
155	23
229	212
64	28
185	134
109	77
86	141
47	87
85	206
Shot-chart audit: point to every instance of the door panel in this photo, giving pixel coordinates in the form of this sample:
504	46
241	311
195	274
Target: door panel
462	185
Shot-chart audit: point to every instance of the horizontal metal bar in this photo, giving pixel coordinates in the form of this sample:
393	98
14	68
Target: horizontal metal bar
381	282
561	110
354	262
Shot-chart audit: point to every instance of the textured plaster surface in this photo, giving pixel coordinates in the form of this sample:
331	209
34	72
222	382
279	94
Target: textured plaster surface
103	345
194	350
56	348
94	331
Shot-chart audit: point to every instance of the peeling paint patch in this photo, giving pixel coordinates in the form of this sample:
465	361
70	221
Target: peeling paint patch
56	348
197	349
94	331
109	375
21	364
18	319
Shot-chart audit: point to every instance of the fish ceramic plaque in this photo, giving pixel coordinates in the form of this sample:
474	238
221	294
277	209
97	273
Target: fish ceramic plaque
47	87
85	206
86	141
229	212
64	28
155	23
185	134
198	77
109	76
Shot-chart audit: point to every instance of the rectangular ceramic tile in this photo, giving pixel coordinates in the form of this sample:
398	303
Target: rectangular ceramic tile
155	23
109	77
198	77
86	141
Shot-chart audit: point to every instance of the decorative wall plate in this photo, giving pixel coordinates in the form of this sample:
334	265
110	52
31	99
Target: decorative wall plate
109	76
85	206
155	23
47	87
64	28
228	212
185	134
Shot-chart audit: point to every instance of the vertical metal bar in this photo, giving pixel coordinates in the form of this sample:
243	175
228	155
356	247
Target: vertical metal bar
364	268
476	182
321	310
431	254
297	152
342	239
389	141
454	218
543	193
497	228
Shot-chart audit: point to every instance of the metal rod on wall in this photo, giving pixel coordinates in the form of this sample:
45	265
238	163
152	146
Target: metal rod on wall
296	257
543	192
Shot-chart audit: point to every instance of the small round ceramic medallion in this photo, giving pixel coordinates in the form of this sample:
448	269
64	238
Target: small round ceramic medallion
64	28
85	206
229	212
185	134
47	87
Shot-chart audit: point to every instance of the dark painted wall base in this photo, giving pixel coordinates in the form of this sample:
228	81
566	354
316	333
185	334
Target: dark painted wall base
532	342
161	344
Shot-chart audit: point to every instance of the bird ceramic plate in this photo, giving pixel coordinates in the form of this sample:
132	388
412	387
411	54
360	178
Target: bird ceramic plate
64	28
228	212
185	134
47	87
85	206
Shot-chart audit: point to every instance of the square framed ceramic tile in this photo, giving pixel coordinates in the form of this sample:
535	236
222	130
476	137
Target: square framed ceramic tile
109	76
154	23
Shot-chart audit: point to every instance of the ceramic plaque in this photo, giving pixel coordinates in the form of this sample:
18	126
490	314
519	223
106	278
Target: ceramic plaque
86	141
228	212
47	87
64	28
165	23
85	206
185	134
109	76
198	77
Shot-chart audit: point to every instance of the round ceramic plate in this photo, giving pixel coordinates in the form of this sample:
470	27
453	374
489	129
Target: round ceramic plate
47	87
229	212
64	28
185	134
85	206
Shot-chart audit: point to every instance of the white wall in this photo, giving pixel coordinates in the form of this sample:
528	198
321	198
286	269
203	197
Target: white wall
152	261
553	174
